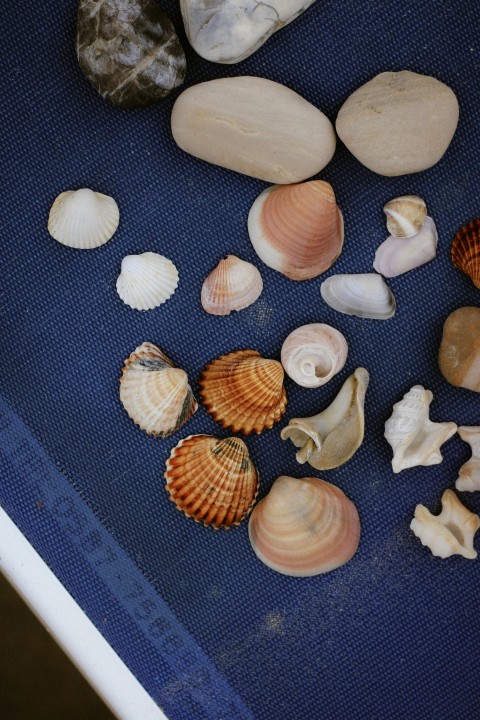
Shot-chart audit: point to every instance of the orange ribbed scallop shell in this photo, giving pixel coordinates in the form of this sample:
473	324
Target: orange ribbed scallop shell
212	480
244	391
466	251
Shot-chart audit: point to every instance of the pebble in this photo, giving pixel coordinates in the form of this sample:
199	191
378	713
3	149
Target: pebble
459	355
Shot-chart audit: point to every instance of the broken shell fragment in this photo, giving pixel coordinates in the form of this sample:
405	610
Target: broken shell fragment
405	215
83	219
297	229
469	474
312	354
414	438
233	285
450	533
304	527
364	295
329	439
155	394
212	480
459	353
244	391
465	251
396	256
146	280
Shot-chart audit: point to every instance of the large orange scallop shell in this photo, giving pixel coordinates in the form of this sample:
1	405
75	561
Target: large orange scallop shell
212	480
465	251
244	391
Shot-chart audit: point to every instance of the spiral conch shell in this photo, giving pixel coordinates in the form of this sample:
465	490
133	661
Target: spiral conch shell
414	438
329	439
304	527
465	251
297	229
312	354
83	219
469	474
450	533
244	391
233	285
155	393
405	215
146	280
212	480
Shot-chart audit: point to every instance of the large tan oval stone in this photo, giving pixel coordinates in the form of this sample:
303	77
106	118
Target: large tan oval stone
399	122
254	126
459	355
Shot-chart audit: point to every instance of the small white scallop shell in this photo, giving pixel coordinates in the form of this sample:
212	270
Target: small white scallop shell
469	473
146	280
312	354
405	215
233	285
83	219
399	255
364	295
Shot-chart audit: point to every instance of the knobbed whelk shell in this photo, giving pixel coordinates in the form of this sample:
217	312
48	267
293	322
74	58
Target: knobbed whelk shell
83	219
450	533
399	255
364	295
405	215
297	229
233	285
304	527
244	391
212	480
155	393
146	280
329	439
469	474
312	354
414	438
465	251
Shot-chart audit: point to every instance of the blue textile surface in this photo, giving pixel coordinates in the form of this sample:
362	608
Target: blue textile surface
208	629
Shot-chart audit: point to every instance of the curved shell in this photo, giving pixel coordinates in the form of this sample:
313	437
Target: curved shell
405	215
244	391
233	285
304	527
297	229
146	280
469	474
466	251
399	255
414	438
155	394
364	295
212	480
329	439
459	352
312	354
83	219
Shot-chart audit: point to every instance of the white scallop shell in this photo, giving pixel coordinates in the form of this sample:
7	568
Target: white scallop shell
399	255
364	294
233	285
405	215
312	354
469	473
146	280
83	219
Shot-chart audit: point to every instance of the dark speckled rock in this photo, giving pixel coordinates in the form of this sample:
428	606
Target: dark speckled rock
129	51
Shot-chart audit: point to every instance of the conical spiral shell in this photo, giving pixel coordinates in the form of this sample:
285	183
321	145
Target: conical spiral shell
405	215
233	285
304	527
83	219
155	394
312	354
244	391
297	229
212	480
146	280
465	251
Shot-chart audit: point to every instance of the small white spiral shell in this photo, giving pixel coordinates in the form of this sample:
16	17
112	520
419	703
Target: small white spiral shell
312	354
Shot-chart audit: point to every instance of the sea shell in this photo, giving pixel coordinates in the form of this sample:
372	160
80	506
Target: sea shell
469	473
399	255
329	439
312	354
365	295
405	215
297	229
83	219
146	280
466	251
459	353
451	532
414	438
212	480
233	285
244	391
304	527
155	394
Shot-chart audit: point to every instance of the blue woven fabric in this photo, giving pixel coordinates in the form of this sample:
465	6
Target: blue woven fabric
392	634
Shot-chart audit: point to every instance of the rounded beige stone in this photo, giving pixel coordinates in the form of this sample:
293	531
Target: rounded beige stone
459	354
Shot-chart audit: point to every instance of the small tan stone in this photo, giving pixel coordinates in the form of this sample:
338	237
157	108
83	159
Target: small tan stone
459	354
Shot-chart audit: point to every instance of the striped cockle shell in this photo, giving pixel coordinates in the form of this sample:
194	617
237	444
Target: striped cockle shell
469	474
312	354
304	527
83	219
465	251
405	215
297	229
396	256
212	480
365	295
244	391
233	285
155	394
146	280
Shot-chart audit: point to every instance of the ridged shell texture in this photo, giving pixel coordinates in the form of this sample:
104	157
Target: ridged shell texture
83	219
146	280
233	285
466	251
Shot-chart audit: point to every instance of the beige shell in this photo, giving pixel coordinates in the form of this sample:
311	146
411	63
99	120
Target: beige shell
459	353
405	215
465	251
233	285
146	280
155	394
212	480
304	527
312	354
83	219
469	474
